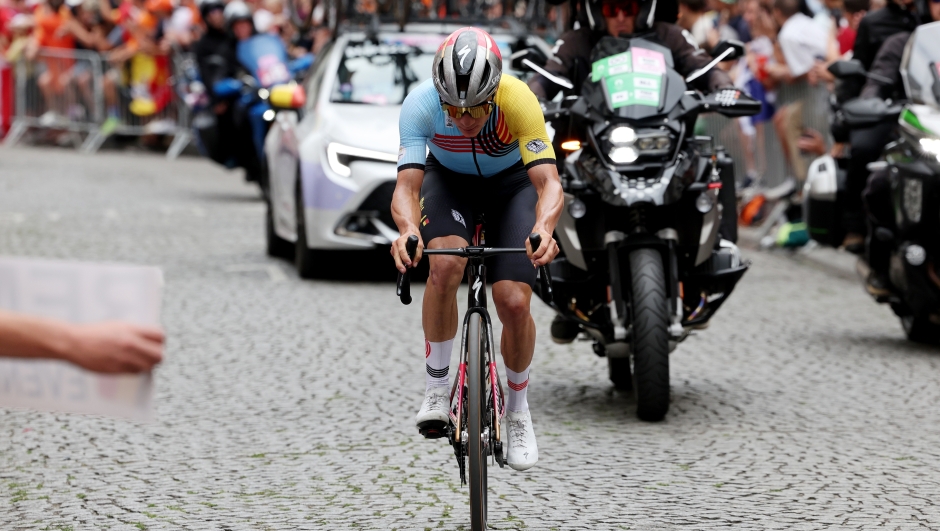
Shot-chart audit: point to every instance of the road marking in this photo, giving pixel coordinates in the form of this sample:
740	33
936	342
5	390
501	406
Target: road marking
274	272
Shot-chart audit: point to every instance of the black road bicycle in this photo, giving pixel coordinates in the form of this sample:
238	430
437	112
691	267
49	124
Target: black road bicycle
474	429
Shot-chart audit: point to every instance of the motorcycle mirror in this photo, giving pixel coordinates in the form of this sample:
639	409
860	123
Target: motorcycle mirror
532	54
728	50
843	69
227	87
300	64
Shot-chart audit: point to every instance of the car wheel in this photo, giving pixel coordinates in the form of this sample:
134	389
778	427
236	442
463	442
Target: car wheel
304	257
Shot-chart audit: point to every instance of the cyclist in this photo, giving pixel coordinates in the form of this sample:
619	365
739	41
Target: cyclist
473	142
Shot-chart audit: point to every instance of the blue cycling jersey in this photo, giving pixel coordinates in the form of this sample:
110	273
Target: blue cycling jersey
515	121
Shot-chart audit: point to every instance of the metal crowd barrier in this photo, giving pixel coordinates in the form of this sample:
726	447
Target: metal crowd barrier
756	147
79	93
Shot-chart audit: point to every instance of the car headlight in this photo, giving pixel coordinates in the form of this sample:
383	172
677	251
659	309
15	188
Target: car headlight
340	156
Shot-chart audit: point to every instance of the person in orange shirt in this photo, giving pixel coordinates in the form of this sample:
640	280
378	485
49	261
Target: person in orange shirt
53	31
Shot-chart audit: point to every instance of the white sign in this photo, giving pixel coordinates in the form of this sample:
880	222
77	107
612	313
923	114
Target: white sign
79	293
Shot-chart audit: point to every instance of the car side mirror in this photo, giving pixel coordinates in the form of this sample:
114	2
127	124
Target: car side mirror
844	69
289	96
729	50
533	55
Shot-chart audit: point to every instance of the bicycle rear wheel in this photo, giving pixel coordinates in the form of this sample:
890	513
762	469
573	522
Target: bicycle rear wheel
476	423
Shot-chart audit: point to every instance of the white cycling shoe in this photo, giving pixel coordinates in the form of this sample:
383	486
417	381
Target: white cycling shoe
523	451
434	414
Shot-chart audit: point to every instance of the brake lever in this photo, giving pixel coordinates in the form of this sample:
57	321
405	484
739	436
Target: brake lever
403	289
542	275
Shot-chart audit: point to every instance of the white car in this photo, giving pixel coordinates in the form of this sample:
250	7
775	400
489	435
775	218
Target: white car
333	163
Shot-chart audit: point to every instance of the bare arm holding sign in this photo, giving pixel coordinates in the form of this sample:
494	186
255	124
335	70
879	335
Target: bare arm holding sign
109	347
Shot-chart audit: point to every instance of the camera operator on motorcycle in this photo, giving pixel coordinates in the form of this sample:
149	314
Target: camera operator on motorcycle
877	194
473	142
620	18
629	18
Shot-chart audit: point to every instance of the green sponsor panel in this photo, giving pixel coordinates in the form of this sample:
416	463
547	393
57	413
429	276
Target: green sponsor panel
610	66
634	89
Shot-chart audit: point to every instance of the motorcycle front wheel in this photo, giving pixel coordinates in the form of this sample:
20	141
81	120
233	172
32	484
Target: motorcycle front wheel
650	334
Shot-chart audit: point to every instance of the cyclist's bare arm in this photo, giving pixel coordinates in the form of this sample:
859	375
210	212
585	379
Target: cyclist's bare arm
406	212
547	211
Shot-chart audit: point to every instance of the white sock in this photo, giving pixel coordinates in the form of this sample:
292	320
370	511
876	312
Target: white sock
437	363
518	384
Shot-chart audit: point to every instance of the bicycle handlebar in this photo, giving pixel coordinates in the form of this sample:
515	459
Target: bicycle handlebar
535	240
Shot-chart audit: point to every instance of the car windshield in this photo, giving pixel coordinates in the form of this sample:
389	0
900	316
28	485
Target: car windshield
920	68
384	73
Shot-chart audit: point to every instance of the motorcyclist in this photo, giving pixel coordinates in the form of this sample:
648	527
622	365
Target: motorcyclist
215	56
877	193
571	59
623	18
898	16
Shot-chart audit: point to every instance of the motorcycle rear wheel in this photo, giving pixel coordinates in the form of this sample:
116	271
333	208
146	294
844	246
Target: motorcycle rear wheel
650	334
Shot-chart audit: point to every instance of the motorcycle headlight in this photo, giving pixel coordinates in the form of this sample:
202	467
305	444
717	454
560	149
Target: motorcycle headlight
623	155
622	136
625	145
931	146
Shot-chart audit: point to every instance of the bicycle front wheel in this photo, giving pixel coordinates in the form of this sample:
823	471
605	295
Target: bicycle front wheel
476	425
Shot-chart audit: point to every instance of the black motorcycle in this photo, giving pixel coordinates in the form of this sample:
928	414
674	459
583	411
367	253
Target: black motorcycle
912	165
643	261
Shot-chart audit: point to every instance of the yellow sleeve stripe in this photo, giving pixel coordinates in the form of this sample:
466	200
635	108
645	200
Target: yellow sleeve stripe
525	121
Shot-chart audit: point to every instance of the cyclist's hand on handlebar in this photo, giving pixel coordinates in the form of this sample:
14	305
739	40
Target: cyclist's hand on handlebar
400	252
546	252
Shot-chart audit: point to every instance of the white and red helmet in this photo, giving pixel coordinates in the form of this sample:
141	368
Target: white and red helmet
467	68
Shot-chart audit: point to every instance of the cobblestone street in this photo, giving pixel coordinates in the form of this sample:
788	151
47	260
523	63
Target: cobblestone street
285	404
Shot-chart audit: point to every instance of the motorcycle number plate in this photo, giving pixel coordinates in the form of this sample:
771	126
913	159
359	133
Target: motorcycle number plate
634	77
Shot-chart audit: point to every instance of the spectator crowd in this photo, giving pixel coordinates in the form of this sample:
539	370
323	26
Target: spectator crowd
133	42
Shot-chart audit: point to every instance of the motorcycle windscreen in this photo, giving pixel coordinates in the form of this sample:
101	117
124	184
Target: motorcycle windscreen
265	57
920	66
633	79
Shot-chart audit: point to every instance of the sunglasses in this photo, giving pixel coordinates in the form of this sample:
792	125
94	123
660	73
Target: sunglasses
629	9
477	111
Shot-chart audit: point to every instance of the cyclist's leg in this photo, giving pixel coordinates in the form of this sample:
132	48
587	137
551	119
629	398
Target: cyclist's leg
509	223
446	221
440	228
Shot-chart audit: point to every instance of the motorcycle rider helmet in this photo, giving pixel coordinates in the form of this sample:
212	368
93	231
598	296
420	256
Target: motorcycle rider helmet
207	6
467	68
236	11
591	13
